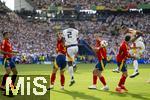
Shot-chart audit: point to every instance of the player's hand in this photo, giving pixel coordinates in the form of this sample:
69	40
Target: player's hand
109	58
139	33
95	49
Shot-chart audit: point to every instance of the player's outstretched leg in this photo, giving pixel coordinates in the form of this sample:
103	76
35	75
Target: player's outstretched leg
52	79
2	87
62	79
14	76
121	88
105	87
93	86
70	67
102	79
136	72
75	67
72	81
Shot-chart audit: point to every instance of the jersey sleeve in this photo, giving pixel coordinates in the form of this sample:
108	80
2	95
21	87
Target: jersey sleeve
3	45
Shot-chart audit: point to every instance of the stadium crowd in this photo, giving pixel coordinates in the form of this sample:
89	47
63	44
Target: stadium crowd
87	4
38	38
29	38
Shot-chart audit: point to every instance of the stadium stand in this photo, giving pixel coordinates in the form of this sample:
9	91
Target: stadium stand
3	8
87	4
37	38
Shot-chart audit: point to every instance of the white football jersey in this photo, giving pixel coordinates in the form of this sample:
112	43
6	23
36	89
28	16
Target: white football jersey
140	45
70	35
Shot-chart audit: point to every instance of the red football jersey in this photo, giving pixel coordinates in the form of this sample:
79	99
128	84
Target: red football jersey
102	52
60	47
123	52
6	47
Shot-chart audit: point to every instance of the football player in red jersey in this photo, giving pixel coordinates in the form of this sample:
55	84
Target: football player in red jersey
7	51
121	62
137	47
101	54
60	62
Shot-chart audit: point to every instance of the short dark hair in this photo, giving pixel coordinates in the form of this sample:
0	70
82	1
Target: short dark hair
4	33
71	25
127	38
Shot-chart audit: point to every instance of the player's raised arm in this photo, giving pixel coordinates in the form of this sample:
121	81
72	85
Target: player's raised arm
3	52
95	49
138	35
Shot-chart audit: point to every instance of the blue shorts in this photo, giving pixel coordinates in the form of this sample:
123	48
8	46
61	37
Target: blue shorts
60	62
101	65
8	62
122	66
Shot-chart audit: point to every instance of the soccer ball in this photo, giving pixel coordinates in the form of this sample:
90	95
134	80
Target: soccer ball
104	43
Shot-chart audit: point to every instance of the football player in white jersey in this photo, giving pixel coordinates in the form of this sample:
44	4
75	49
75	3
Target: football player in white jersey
137	49
71	42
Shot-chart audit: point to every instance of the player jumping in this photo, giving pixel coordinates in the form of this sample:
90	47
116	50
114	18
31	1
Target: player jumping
60	63
71	42
7	51
137	49
101	53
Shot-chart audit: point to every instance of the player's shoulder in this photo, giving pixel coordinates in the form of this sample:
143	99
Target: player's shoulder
71	30
66	29
4	41
123	44
74	29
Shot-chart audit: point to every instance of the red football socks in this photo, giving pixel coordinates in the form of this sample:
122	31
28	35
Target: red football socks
122	80
53	77
13	79
102	79
62	80
94	79
4	79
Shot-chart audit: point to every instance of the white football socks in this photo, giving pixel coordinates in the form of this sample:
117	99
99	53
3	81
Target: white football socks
71	72
135	65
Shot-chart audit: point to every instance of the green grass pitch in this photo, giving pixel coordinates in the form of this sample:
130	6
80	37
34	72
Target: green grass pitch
138	88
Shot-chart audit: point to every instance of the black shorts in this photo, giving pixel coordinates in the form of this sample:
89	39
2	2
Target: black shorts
8	62
101	65
122	66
